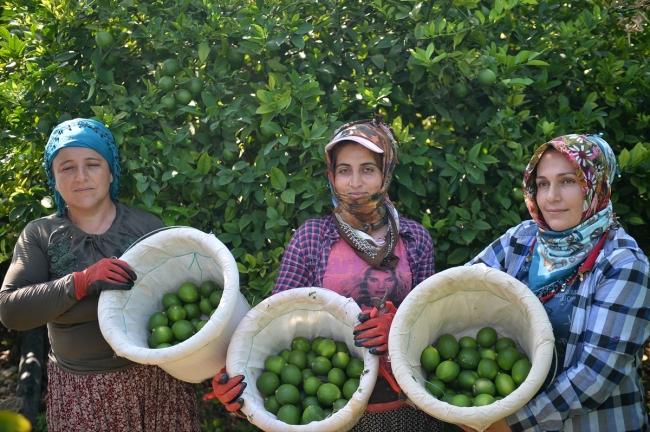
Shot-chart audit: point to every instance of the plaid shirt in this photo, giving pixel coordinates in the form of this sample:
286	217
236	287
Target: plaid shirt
599	387
305	259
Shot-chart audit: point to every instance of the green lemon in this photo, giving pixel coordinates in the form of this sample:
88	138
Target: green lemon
230	156
307	373
290	374
342	347
483	399
467	378
447	397
166	83
340	360
310	357
309	401
235	58
268	383
192	310
176	313
430	359
326	348
188	292
183	329
151	341
507	357
200	325
315	342
301	343
205	306
484	386
504	384
275	364
461	400
459	90
170	299
328	393
504	342
487	368
104	39
162	334
311	385
321	365
285	353
207	288
170	67
435	387
339	404
183	97
488	353
163	345
215	298
447	371
448	346
468	358
467	342
169	102
298	358
337	377
312	413
158	319
486	77
289	414
350	387
195	321
271	404
287	394
520	371
355	368
486	337
195	85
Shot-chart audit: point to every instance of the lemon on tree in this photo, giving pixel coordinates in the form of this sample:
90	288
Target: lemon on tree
195	85
486	77
168	102
166	83
103	39
170	67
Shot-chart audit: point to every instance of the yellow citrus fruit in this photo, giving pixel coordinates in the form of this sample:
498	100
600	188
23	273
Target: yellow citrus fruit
287	394
188	292
448	346
268	383
447	371
170	299
311	385
290	374
520	371
275	364
355	368
328	393
504	384
289	414
484	386
486	337
158	319
183	330
430	359
350	387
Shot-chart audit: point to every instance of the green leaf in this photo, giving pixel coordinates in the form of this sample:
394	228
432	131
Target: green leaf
459	255
204	51
288	196
278	179
204	164
623	159
536	63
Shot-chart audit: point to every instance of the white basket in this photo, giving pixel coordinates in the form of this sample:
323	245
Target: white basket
162	262
272	325
461	301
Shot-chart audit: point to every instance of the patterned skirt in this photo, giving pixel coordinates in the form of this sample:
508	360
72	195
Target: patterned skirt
142	398
405	419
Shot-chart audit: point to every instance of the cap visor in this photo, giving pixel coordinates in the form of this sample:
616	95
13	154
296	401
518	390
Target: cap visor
357	139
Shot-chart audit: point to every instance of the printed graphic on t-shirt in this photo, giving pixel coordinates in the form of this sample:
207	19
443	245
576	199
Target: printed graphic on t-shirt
350	276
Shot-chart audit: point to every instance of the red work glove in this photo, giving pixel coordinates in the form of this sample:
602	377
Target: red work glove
228	391
106	274
373	331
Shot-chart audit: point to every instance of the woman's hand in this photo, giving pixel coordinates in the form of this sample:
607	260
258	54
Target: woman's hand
105	274
373	331
228	391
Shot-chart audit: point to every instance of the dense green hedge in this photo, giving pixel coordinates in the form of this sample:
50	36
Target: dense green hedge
244	158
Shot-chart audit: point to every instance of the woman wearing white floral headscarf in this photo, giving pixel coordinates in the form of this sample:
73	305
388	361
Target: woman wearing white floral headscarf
592	278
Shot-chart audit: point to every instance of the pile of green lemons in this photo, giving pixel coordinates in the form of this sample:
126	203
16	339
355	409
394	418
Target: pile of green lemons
184	313
310	381
461	374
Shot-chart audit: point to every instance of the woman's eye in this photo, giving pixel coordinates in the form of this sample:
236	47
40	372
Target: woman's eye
569	180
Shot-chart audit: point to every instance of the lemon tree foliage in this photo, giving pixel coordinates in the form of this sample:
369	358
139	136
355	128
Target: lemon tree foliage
221	108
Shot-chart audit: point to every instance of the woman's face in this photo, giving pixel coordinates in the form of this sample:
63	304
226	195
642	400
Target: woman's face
559	194
378	282
356	173
82	177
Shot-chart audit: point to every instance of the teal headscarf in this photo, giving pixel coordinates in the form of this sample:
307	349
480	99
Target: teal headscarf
82	133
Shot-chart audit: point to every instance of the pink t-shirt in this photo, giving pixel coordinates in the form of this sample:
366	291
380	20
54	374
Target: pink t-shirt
350	276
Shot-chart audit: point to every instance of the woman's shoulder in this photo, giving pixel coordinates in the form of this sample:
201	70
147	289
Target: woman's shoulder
621	248
140	217
321	224
47	224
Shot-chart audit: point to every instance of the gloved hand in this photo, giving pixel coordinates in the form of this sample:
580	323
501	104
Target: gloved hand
373	331
228	391
106	274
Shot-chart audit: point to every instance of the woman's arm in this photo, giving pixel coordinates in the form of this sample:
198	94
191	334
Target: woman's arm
27	298
616	328
296	268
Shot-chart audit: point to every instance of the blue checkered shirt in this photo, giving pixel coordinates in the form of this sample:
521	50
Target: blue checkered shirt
599	387
305	259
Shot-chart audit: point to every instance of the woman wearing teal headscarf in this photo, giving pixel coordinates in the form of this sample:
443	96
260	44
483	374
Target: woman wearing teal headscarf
61	263
592	278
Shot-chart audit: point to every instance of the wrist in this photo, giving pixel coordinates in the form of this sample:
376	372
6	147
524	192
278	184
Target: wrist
79	283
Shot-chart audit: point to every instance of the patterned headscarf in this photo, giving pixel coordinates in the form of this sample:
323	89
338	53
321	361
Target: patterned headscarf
559	254
372	134
82	133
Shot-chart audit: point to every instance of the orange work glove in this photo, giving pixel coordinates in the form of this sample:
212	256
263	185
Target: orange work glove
373	331
228	391
105	274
